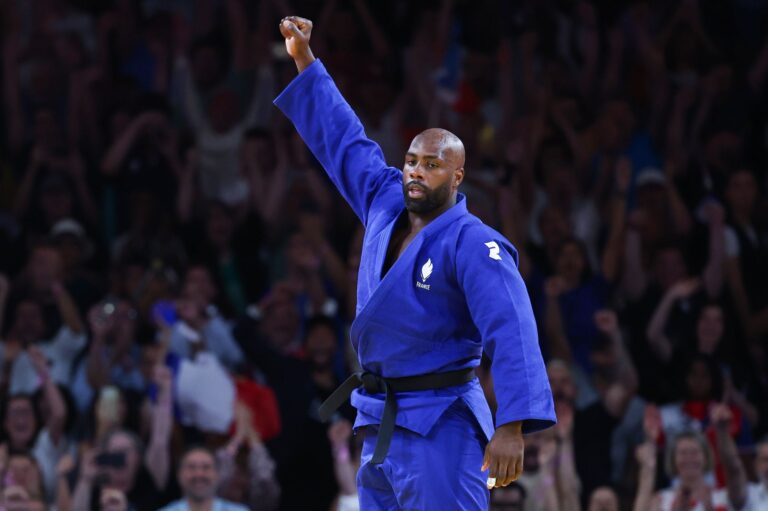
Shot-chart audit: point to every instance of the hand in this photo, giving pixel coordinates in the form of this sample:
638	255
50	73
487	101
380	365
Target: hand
646	455
554	286
607	322
11	350
297	32
685	288
504	454
721	416
39	362
339	432
163	377
652	422
65	465
714	213
88	467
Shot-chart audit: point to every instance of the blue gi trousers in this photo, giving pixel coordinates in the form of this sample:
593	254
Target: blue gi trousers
440	471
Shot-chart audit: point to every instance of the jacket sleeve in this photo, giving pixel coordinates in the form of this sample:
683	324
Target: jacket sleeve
336	137
498	302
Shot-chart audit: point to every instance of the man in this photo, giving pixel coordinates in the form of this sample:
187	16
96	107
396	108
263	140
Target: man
199	478
435	288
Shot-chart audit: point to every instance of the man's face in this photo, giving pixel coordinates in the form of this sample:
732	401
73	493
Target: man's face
432	172
561	382
197	476
28	322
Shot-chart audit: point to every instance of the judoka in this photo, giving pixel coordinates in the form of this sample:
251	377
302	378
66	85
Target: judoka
436	287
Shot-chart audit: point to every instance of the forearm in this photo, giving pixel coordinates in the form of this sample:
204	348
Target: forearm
81	500
117	152
655	333
57	410
237	23
735	476
644	494
24	193
611	261
680	216
68	311
634	279
97	366
569	486
713	273
63	495
85	199
157	458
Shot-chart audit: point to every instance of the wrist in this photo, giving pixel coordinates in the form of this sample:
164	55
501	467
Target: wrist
304	61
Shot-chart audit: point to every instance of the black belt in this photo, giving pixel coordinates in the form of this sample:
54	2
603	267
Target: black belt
375	384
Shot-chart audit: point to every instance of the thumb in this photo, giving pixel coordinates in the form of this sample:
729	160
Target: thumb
486	459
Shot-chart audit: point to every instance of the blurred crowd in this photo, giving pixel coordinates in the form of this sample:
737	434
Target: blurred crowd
177	274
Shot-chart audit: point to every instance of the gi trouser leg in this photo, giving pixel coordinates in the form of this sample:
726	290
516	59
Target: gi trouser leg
440	471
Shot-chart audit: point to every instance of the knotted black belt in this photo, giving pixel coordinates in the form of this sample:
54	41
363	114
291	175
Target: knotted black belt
375	384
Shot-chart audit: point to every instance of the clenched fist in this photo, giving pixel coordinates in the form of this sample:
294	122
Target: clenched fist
297	32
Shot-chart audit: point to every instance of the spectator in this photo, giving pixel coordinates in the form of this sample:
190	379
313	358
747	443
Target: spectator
198	477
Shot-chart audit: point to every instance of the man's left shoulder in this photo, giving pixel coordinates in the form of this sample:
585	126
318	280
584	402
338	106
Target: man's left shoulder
480	240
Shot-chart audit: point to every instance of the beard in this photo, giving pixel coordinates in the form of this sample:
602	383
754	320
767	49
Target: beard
432	199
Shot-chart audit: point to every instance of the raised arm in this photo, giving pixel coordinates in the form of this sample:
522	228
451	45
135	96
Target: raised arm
329	126
735	475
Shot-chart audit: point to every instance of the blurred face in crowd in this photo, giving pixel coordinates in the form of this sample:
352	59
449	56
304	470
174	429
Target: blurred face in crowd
44	268
510	498
741	191
206	66
219	226
112	499
570	262
281	319
722	150
699	381
320	346
28	323
710	328
603	499
689	459
302	253
761	462
20	422
199	282
122	478
553	226
198	475
561	382
669	267
56	203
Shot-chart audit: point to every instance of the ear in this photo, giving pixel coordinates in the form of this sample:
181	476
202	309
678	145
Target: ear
458	177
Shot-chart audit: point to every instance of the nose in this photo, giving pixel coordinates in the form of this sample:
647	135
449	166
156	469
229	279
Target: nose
416	172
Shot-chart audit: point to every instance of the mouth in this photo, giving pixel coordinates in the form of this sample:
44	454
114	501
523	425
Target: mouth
416	191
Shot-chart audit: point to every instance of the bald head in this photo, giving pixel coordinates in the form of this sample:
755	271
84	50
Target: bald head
446	146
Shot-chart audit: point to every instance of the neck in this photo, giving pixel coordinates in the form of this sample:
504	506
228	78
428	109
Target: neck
200	505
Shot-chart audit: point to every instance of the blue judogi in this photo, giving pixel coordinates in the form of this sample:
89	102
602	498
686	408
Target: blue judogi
454	292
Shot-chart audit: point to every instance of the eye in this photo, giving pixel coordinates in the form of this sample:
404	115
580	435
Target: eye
410	163
432	165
